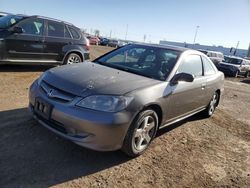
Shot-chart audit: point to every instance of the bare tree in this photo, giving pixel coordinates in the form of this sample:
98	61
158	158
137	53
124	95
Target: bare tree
97	32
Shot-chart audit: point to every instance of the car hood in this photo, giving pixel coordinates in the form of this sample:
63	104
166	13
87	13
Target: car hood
89	78
228	65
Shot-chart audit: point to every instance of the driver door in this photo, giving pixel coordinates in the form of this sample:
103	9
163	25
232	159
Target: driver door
188	97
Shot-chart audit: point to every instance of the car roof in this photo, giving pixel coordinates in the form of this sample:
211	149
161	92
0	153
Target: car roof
47	18
4	13
210	51
170	47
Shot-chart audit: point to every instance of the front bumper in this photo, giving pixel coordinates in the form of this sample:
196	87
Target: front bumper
101	131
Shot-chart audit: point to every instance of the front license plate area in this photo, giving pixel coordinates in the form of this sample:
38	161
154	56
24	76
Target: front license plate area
43	108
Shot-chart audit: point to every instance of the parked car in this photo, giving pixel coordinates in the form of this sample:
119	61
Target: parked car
216	57
116	43
113	43
119	101
2	14
93	40
104	41
234	66
40	40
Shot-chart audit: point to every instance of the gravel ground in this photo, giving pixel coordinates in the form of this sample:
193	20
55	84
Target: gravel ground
197	152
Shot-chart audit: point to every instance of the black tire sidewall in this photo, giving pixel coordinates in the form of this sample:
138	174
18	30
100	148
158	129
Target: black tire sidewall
128	146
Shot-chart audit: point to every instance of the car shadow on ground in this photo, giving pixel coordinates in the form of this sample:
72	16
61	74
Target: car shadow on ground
30	155
171	127
33	156
25	68
247	81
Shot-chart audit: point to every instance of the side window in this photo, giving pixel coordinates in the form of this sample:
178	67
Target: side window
74	33
66	33
208	67
191	65
32	26
55	29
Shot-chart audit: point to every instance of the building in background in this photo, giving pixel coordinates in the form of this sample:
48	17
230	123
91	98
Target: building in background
225	51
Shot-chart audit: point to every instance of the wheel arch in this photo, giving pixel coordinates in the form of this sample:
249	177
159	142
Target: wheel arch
158	110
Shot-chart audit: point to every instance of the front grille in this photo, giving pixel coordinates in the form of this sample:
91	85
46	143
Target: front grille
55	93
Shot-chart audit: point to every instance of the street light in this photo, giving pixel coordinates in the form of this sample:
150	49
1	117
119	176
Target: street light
195	35
126	32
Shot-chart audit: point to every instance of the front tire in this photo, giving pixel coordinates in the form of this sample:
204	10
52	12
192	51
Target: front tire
140	133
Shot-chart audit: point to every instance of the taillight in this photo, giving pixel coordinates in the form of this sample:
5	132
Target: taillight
87	44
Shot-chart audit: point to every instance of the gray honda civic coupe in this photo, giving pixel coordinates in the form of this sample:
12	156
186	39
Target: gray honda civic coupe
121	99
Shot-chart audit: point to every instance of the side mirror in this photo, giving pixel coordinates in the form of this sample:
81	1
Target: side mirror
182	77
17	30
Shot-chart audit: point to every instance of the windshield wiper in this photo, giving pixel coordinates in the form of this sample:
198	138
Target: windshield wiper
100	62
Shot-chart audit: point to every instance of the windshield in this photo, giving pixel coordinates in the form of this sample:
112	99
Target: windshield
8	21
152	62
233	61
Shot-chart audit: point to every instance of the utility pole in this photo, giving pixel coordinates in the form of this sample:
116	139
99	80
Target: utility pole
248	53
144	38
126	32
195	35
110	34
236	47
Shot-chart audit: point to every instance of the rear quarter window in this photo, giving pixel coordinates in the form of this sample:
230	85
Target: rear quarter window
208	67
66	33
75	34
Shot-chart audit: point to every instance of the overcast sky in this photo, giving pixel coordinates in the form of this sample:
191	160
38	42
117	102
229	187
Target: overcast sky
222	22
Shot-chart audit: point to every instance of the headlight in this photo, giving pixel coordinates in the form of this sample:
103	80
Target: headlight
105	103
40	79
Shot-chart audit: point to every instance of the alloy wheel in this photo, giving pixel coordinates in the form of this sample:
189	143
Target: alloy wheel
213	103
144	133
73	59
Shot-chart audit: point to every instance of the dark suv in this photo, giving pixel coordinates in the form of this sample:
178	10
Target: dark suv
234	66
40	40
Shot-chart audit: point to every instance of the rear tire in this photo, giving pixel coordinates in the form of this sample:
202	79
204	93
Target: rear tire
140	133
208	112
72	58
